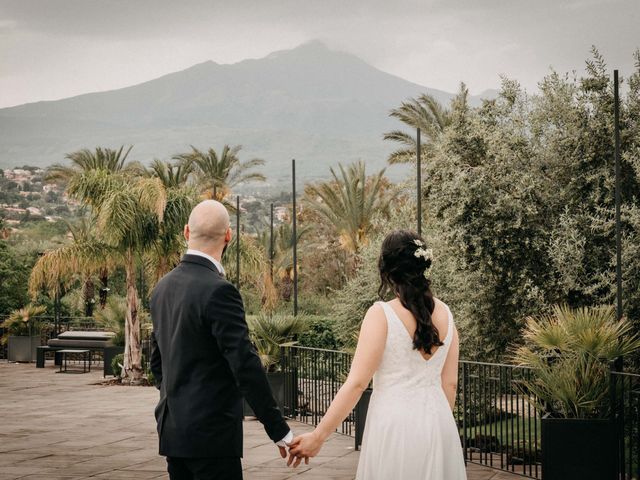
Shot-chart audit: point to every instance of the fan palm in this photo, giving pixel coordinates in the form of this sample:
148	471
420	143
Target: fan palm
349	202
570	351
86	160
424	113
269	332
220	173
22	321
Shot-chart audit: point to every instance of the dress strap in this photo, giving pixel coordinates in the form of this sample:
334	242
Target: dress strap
449	335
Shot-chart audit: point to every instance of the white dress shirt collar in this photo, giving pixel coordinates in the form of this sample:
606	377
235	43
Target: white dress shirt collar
215	262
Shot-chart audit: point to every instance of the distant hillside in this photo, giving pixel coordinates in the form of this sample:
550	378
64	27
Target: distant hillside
310	103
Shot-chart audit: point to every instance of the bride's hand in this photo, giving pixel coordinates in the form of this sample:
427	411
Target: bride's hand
304	446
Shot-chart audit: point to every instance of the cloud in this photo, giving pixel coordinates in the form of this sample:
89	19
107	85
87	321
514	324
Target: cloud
56	48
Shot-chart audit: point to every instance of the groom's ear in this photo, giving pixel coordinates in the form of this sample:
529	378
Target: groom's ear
186	232
228	235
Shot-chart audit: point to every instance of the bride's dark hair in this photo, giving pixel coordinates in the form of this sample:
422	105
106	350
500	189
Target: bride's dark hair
403	273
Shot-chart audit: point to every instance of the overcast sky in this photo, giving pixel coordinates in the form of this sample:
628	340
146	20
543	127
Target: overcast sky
52	49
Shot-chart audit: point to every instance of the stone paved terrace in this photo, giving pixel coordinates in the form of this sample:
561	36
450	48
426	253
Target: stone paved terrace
64	426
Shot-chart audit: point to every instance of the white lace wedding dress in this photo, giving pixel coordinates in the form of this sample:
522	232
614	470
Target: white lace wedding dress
410	432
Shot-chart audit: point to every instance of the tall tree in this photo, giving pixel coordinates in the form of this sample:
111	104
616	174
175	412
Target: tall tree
79	260
130	214
425	113
171	175
86	160
220	172
165	252
348	202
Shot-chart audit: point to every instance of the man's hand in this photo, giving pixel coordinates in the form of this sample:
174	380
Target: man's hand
283	452
304	446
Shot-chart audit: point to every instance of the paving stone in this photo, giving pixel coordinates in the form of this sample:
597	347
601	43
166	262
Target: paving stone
68	427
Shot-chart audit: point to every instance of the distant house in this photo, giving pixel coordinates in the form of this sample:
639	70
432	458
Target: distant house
34	211
281	213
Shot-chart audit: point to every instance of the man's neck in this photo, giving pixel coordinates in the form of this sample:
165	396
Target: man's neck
215	253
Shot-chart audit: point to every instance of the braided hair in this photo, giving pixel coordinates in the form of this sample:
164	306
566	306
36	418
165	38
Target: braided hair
402	272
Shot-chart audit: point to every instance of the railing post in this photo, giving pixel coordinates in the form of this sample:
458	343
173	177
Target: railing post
465	375
614	416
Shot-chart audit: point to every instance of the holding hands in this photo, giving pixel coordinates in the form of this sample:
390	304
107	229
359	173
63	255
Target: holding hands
303	447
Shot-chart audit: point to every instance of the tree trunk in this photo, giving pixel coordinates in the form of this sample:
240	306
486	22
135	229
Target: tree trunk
132	370
88	293
287	286
104	279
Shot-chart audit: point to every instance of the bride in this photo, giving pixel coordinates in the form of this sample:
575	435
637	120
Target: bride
410	347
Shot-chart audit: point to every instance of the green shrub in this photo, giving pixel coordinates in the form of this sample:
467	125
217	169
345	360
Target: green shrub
116	365
319	334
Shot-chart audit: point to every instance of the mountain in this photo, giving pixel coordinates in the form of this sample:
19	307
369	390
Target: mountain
310	103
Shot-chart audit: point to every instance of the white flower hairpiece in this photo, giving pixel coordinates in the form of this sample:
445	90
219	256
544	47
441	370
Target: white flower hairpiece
421	252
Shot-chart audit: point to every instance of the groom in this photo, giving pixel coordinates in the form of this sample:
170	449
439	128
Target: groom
203	361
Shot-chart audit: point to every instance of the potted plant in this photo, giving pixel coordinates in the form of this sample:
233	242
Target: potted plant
268	333
22	333
570	351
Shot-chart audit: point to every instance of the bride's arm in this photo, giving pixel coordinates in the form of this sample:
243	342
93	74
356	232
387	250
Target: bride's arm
373	335
450	370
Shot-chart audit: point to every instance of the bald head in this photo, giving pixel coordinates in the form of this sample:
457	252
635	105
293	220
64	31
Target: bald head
208	227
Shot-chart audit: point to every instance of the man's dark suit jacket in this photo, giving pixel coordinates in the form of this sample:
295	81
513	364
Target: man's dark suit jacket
204	364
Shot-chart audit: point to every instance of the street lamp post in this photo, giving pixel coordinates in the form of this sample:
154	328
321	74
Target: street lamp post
419	181
271	245
616	115
238	242
295	240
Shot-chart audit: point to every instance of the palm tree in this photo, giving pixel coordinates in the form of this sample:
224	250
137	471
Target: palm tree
252	260
85	160
181	197
282	261
220	174
86	255
424	113
130	214
349	202
171	175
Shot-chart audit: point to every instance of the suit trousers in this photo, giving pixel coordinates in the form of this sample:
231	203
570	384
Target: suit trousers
225	468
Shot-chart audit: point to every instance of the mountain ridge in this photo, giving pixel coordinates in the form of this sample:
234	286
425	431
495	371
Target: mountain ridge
310	102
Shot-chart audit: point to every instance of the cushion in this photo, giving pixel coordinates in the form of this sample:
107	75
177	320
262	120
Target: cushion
84	335
78	343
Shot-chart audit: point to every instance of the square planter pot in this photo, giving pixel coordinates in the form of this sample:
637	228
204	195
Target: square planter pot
362	407
578	448
109	354
23	349
276	381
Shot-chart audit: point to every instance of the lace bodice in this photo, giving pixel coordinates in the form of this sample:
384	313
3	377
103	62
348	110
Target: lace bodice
402	367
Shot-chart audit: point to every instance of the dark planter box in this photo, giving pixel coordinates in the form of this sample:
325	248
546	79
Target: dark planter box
276	380
23	349
361	415
109	354
578	448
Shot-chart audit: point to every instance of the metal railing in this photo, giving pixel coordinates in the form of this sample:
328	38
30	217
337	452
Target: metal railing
499	424
312	378
625	414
